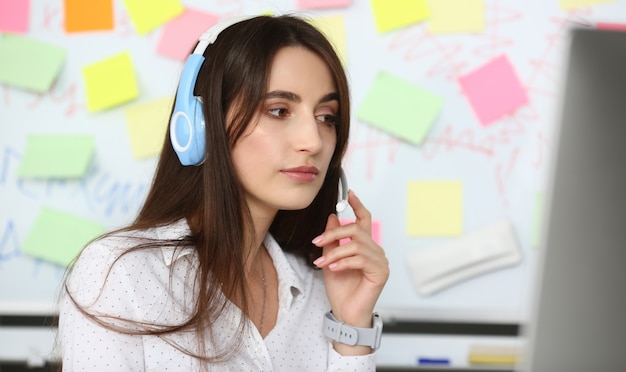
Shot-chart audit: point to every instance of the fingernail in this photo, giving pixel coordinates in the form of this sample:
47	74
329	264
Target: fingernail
318	239
319	261
332	265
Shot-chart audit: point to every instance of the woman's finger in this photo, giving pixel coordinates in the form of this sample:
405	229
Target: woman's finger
362	214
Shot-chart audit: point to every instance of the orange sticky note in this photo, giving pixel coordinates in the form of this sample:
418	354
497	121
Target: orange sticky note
92	15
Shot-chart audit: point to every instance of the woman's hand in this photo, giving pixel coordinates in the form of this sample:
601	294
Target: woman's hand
354	272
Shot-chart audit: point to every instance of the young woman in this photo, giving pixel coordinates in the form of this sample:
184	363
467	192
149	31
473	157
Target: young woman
234	262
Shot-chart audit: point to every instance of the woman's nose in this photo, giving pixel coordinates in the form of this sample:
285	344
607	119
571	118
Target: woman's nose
308	136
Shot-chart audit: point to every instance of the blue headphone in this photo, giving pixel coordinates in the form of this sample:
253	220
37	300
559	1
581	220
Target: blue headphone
187	125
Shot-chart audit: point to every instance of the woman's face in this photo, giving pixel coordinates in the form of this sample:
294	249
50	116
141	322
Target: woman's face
282	159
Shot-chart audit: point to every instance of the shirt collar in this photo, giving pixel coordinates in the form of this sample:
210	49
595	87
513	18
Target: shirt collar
177	230
290	281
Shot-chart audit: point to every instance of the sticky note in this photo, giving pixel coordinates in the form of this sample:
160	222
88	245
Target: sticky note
92	15
434	208
611	26
147	126
29	64
321	4
334	27
493	90
110	82
146	15
572	4
376	231
393	14
399	107
14	16
454	16
56	156
180	35
58	237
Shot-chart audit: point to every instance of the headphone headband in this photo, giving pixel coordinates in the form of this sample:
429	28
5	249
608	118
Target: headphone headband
209	36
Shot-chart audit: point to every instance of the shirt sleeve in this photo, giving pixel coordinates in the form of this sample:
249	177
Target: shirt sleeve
100	287
341	363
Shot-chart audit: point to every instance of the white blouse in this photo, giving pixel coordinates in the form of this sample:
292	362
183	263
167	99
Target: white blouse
155	286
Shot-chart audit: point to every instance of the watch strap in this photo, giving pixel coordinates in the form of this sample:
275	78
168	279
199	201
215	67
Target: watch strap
349	335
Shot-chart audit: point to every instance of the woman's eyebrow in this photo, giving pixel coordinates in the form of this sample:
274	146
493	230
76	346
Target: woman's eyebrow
284	95
290	96
334	96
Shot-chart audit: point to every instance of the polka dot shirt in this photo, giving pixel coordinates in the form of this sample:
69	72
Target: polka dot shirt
155	286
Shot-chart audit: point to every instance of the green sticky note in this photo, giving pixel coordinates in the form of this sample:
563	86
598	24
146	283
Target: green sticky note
401	108
56	156
147	15
434	208
110	82
58	237
29	64
393	14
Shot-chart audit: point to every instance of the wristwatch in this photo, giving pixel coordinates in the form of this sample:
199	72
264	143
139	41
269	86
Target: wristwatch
349	335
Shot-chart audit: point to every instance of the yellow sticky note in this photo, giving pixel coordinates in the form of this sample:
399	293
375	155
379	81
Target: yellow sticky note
146	15
449	16
58	236
434	208
147	126
334	27
110	82
393	14
573	4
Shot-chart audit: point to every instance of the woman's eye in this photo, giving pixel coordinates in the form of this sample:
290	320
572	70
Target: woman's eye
329	119
278	112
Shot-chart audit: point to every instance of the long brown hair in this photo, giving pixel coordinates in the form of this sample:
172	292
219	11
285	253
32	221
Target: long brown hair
210	196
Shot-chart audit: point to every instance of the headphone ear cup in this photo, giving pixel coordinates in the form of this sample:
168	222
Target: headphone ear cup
187	126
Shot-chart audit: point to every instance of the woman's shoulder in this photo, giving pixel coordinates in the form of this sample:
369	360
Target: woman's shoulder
125	257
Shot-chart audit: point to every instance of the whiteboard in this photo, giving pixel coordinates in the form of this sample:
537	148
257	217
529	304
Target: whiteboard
501	166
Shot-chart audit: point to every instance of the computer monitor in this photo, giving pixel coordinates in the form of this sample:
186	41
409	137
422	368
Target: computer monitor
578	317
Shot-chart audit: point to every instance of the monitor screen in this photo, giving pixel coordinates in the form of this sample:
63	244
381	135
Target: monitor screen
578	316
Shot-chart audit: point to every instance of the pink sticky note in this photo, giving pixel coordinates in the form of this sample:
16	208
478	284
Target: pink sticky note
611	26
375	231
14	16
493	90
180	35
320	4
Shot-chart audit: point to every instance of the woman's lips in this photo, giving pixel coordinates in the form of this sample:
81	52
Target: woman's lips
302	174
